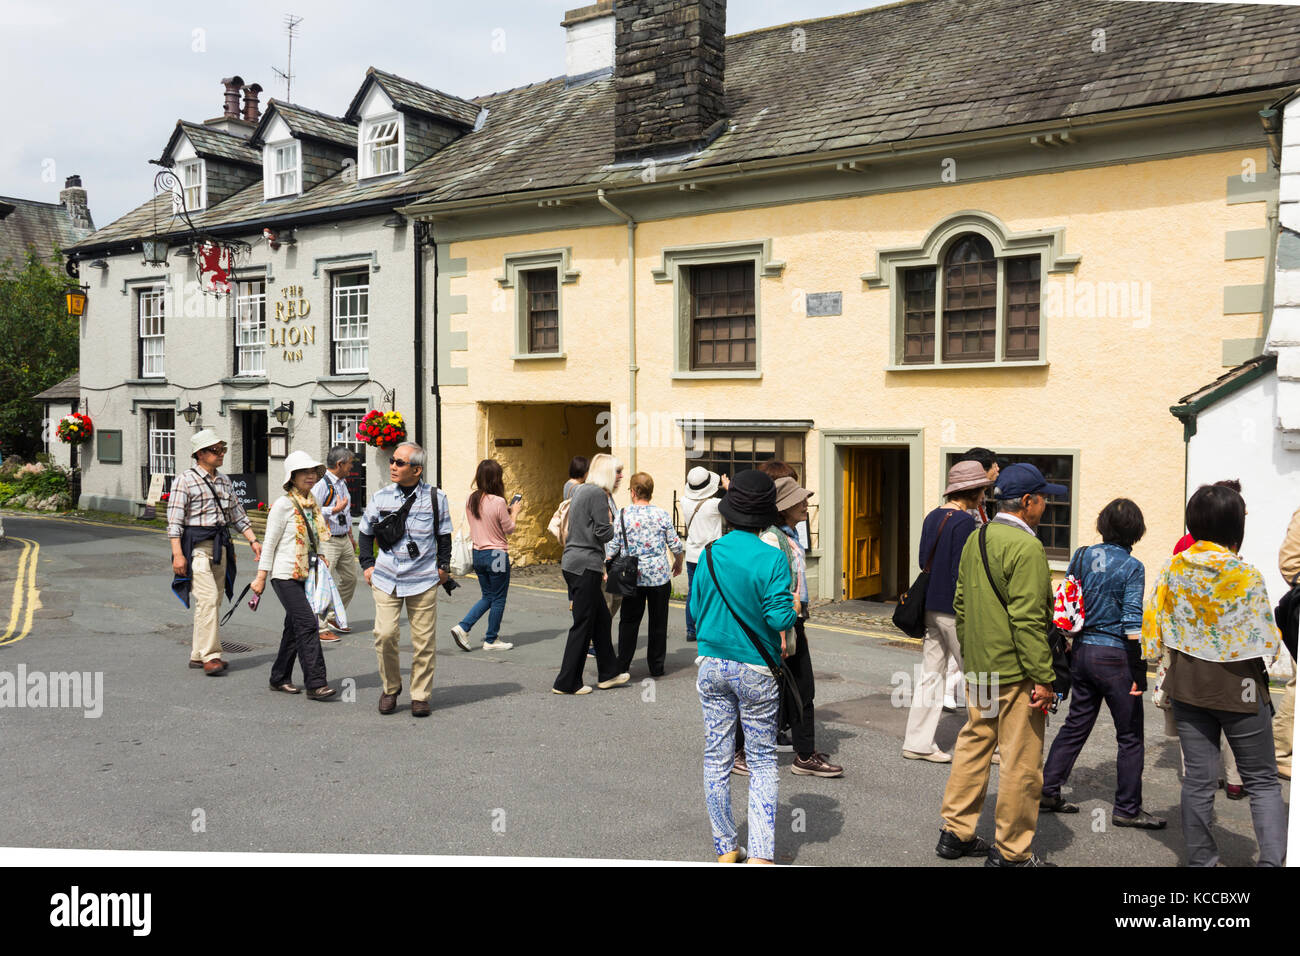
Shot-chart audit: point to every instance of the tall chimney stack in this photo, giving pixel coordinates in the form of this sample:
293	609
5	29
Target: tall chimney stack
230	107
668	75
252	112
73	198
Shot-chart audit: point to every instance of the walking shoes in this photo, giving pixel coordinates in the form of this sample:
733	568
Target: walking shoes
420	708
997	859
739	766
497	645
460	637
618	681
585	689
388	702
934	756
815	766
1143	821
950	848
214	667
1056	804
286	688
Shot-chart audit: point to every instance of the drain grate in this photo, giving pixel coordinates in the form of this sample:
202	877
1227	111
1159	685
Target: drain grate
234	647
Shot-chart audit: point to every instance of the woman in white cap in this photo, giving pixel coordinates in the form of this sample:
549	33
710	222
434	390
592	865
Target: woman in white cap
703	525
294	529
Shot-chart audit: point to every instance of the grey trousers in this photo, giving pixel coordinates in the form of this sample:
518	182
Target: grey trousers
1251	738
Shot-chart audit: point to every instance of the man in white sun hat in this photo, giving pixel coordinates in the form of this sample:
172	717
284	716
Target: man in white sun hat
201	509
703	524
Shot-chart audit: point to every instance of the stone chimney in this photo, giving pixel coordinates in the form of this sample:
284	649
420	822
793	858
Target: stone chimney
230	107
252	112
73	198
668	75
588	43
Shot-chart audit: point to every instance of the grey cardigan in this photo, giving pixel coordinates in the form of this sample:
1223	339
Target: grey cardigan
589	529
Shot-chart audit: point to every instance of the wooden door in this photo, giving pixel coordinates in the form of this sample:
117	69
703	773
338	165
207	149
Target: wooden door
864	522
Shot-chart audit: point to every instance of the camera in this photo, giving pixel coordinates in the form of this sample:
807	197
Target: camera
412	549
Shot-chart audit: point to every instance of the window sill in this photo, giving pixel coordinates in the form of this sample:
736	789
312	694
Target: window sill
343	377
959	366
245	380
158	380
719	373
538	356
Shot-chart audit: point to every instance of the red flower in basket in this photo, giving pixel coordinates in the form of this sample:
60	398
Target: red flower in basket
75	429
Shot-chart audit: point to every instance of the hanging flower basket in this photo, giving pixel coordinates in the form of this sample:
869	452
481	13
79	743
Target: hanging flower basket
382	429
75	429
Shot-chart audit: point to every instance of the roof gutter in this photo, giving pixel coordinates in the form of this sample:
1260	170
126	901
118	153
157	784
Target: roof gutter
631	327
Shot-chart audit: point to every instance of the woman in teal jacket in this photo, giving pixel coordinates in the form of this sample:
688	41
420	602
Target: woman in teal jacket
734	681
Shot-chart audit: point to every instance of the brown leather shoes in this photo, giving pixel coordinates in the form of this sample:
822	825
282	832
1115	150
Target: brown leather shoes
388	702
286	688
214	667
196	665
420	708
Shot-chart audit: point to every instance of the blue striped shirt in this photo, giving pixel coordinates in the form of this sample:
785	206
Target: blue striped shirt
396	572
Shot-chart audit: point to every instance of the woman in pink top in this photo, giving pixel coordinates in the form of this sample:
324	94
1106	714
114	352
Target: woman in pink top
490	521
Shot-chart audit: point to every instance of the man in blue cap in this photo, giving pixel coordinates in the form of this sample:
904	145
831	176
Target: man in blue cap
1003	607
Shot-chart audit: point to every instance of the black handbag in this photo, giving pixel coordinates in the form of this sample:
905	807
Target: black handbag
1287	616
784	679
909	615
623	570
1057	642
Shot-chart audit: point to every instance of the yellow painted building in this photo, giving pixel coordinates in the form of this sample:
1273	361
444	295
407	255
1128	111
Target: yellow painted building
1041	276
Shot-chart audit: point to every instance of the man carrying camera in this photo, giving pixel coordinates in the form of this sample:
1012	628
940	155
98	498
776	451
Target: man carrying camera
411	523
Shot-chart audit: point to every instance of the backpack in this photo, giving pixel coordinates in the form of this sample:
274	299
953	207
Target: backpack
559	524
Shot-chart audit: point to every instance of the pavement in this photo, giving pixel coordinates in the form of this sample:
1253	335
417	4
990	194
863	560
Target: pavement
181	761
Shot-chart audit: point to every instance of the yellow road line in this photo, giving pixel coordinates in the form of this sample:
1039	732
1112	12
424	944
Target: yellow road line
27	576
66	519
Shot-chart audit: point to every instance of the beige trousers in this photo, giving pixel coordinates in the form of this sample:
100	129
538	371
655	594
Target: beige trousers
1017	730
422	616
1284	729
344	567
927	694
207	585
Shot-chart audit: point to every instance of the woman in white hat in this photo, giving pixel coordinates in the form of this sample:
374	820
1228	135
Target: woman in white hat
294	529
703	525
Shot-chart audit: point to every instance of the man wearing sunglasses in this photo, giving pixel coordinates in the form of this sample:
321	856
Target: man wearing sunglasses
407	573
201	509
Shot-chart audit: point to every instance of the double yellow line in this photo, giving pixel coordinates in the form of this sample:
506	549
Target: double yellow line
24	598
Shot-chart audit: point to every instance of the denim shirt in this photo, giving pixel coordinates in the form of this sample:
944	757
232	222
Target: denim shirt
1113	582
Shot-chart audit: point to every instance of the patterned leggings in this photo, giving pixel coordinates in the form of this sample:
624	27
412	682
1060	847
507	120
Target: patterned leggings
727	687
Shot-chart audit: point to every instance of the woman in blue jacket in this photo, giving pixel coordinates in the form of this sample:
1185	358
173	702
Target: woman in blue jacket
734	682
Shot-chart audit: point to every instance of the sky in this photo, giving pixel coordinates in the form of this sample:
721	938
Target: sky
95	89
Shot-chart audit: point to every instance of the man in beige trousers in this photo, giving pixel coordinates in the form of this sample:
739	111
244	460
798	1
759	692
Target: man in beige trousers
1288	562
331	493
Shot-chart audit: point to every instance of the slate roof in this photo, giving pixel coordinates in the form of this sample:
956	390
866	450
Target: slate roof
409	95
306	122
44	225
67	390
214	144
887	75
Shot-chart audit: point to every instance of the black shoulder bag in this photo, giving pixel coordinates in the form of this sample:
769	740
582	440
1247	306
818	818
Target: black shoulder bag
391	528
909	615
1057	643
784	679
1287	616
623	570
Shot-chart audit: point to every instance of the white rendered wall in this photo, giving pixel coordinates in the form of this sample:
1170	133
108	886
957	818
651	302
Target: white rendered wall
589	46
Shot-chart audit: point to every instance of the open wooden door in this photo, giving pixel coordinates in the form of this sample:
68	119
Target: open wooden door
864	522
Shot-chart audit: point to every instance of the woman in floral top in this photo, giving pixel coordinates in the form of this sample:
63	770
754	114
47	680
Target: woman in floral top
649	535
1210	611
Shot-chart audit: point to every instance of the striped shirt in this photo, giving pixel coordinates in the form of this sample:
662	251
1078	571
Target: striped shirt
396	572
191	505
328	492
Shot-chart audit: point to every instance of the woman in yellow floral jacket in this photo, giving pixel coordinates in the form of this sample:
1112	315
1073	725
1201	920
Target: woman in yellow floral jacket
1210	612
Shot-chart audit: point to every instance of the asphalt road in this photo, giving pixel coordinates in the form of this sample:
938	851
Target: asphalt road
180	761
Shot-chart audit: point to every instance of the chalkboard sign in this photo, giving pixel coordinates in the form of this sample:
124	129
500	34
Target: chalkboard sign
245	490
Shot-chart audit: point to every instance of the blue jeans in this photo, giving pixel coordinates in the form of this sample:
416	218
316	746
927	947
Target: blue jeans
492	568
730	690
690	621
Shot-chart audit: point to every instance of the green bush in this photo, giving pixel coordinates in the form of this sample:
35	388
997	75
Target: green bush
6	492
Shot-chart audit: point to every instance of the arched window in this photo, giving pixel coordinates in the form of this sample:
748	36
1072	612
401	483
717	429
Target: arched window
970	301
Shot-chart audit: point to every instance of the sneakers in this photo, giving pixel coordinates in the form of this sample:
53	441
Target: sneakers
934	756
1143	821
950	848
497	645
585	689
618	681
815	766
1056	804
997	859
949	704
460	637
739	767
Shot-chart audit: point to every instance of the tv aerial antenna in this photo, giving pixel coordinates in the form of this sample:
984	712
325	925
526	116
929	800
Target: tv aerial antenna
290	27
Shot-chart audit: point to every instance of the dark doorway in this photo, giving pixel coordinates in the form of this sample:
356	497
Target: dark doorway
254	426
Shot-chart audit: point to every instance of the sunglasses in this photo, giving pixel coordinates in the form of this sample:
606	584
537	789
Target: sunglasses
216	450
398	462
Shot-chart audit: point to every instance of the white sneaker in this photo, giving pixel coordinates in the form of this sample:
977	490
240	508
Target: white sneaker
618	681
460	637
497	645
950	703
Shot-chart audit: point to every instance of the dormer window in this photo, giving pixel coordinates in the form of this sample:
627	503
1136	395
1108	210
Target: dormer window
380	147
193	185
282	170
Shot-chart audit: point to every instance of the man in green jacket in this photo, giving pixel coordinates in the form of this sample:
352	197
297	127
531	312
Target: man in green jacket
1002	629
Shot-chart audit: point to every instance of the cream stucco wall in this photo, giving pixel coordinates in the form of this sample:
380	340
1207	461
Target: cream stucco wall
1106	389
